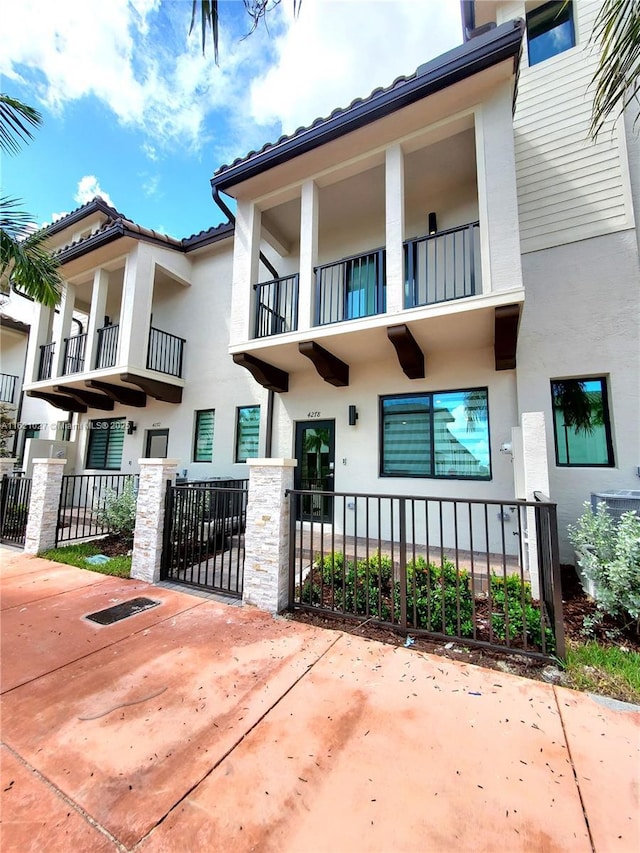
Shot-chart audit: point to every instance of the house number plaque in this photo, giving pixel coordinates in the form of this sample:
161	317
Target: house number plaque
313	414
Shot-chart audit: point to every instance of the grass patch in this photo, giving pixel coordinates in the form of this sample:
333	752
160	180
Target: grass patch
74	555
606	670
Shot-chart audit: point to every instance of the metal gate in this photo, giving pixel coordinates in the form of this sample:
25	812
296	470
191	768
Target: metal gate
15	494
204	535
82	501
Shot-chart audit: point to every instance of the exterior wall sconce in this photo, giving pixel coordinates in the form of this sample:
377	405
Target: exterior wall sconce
131	427
433	223
353	415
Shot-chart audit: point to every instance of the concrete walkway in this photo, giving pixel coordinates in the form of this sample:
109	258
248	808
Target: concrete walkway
195	726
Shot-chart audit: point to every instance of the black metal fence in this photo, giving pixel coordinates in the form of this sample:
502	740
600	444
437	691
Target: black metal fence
45	367
351	288
204	535
74	349
7	387
276	306
165	352
443	266
107	349
82	502
456	569
15	494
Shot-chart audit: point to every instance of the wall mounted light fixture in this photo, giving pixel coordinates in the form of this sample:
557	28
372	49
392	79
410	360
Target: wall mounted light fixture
131	427
353	415
433	223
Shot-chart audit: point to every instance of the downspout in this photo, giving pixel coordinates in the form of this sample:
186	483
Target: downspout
268	441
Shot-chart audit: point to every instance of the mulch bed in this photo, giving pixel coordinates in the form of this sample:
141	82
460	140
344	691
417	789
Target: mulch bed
114	546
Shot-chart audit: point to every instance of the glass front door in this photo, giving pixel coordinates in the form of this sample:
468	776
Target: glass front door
315	452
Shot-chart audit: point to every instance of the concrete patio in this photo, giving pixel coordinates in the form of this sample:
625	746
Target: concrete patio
197	726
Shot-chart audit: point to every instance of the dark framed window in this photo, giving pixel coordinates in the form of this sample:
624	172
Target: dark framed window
581	422
436	434
106	440
247	432
32	431
203	438
156	444
550	30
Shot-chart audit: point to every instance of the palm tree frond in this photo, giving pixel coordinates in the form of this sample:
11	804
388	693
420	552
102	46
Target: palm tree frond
27	262
208	21
16	121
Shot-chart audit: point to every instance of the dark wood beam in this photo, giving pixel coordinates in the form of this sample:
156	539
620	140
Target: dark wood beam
60	401
94	401
329	366
409	354
118	393
507	319
265	374
154	388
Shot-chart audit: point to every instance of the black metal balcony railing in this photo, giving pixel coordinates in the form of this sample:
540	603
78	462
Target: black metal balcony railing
107	349
7	387
165	352
74	349
276	306
443	266
45	368
351	288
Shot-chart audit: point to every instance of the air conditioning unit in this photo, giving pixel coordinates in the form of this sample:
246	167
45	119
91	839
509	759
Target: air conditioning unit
618	502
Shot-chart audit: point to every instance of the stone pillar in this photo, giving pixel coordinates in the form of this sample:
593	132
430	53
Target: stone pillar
7	464
535	469
308	254
394	217
266	540
147	538
43	506
96	316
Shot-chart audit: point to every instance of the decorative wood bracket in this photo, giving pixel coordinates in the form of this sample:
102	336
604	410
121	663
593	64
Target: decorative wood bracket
265	374
118	393
329	366
158	390
89	398
60	401
409	354
507	319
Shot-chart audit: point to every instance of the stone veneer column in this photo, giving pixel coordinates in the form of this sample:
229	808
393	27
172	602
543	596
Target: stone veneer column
7	465
266	540
147	538
43	505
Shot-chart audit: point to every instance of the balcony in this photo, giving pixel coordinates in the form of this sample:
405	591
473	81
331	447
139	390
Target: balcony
443	266
107	349
165	352
74	351
45	366
351	288
276	306
7	387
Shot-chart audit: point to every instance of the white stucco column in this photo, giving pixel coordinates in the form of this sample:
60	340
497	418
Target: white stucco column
147	538
135	308
64	327
394	216
308	253
535	478
498	194
96	315
40	334
246	256
43	506
266	539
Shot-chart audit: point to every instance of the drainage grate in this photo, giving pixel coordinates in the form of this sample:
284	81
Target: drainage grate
122	611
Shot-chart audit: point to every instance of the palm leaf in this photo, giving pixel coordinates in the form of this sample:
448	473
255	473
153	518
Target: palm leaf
208	21
16	121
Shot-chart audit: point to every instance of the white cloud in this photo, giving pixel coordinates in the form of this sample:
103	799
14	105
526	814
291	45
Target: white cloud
151	185
88	188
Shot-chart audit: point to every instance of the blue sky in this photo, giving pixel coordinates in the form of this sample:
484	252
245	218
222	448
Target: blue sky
133	111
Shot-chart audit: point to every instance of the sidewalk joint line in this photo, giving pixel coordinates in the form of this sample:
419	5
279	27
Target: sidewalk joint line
71	803
237	743
573	770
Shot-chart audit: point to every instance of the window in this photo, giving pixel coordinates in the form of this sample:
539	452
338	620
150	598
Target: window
106	440
203	441
444	434
581	426
550	30
247	432
157	444
32	431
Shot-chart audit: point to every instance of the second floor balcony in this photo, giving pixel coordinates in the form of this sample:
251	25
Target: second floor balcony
438	268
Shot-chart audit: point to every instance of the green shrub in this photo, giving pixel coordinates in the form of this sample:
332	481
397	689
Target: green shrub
439	598
514	614
118	514
609	555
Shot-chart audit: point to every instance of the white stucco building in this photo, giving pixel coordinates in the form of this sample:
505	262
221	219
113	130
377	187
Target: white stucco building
403	280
